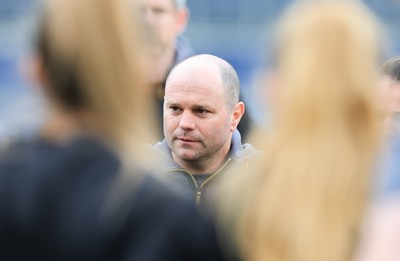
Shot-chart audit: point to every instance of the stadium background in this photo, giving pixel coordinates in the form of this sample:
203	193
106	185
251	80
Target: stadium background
236	30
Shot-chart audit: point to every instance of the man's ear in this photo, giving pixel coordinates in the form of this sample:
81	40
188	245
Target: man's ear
182	19
237	113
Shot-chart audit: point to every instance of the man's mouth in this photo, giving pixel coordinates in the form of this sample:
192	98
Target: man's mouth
185	139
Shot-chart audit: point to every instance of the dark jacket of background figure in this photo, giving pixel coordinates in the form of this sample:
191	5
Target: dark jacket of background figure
240	157
71	202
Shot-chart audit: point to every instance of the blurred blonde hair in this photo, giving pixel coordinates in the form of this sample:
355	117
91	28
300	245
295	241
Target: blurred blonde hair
91	52
307	196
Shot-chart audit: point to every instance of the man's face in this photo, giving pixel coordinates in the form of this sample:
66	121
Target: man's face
197	121
162	23
391	94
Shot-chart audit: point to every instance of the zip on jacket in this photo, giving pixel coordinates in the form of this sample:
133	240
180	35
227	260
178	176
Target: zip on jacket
199	189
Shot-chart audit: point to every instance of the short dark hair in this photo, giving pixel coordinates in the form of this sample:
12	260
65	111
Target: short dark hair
391	68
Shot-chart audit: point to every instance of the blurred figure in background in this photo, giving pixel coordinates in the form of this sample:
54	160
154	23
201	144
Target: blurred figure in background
306	199
164	22
78	191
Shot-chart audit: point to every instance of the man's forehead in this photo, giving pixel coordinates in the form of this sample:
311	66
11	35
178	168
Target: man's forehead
186	101
195	67
199	80
194	98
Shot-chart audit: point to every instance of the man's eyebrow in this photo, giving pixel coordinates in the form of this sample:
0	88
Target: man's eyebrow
202	106
172	103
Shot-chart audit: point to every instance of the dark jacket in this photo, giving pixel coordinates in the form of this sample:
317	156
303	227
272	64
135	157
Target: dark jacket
239	158
72	202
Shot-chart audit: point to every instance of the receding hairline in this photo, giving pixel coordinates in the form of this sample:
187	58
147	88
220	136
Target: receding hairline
192	64
227	74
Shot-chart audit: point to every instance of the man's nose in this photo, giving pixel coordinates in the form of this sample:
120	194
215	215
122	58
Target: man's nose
187	121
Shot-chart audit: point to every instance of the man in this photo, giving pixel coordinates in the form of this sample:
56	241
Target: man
201	113
164	21
390	87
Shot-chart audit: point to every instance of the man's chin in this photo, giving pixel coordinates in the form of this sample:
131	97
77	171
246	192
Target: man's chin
187	156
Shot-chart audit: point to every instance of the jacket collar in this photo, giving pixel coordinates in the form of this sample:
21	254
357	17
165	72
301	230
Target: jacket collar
237	150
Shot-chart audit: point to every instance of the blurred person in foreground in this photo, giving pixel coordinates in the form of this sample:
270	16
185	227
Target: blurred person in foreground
306	198
78	191
201	113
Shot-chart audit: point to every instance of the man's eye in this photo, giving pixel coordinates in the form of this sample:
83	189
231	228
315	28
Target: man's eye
201	111
174	109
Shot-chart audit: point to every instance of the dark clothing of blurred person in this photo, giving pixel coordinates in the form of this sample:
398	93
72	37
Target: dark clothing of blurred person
78	191
70	201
